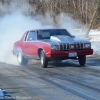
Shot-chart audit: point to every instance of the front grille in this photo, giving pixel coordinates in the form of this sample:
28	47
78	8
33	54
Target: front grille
64	46
77	46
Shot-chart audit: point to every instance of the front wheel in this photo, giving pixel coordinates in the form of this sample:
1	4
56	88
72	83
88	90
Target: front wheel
21	59
82	60
44	60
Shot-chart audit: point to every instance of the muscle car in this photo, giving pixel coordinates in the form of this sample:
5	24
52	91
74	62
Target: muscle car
51	44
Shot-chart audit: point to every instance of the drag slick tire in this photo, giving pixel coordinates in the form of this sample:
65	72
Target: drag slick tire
82	60
21	59
44	59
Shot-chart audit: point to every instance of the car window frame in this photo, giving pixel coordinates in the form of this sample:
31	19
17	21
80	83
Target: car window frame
27	36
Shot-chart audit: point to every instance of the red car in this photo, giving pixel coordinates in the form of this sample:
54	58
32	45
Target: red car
48	44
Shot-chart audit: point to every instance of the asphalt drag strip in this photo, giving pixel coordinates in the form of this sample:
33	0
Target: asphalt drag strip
64	80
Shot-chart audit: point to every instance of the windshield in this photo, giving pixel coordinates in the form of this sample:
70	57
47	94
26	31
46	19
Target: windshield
45	34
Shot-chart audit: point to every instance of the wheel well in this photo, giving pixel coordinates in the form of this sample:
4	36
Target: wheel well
39	51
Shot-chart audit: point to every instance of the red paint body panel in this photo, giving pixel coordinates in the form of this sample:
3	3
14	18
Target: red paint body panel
31	48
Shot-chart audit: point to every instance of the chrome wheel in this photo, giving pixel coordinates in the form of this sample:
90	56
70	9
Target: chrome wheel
42	59
19	57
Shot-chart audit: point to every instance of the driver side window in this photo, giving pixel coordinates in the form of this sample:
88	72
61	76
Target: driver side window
31	36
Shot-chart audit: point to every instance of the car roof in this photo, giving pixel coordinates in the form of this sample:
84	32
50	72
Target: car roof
48	29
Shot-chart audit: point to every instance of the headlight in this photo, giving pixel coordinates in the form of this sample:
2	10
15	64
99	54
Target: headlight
88	45
54	47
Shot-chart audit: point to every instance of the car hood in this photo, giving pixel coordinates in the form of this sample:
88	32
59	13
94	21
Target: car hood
56	40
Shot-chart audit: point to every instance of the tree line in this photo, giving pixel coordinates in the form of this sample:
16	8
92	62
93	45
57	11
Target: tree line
87	11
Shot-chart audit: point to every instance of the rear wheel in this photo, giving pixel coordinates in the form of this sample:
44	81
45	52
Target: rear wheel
21	59
44	60
82	60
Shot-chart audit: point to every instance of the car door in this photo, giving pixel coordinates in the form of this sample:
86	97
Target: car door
30	44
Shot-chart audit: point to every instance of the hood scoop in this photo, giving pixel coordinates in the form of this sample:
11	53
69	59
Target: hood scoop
61	38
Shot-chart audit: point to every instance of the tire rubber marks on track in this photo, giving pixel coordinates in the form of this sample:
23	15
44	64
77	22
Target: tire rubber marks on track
67	89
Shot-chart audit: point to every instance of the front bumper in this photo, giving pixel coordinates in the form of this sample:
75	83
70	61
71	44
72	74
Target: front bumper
65	53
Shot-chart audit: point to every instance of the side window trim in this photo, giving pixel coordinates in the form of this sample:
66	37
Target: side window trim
25	39
27	36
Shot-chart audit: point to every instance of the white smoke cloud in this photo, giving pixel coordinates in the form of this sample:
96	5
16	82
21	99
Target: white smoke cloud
66	20
11	29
